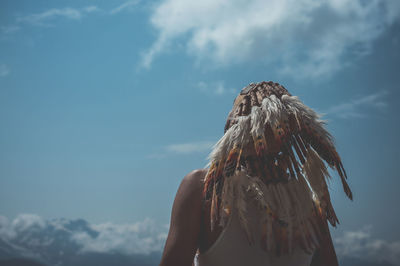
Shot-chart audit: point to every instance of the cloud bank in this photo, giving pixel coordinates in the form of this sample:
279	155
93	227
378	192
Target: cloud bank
303	38
361	244
138	238
34	236
55	240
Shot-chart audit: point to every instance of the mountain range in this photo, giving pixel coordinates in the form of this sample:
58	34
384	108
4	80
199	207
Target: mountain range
32	241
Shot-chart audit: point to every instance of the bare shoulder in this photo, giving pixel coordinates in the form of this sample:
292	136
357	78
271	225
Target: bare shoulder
191	187
183	235
194	180
190	191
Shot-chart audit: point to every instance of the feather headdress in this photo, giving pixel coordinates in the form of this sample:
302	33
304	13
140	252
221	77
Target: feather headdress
273	151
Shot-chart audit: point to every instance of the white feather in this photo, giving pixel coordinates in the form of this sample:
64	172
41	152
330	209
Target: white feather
237	134
257	122
272	108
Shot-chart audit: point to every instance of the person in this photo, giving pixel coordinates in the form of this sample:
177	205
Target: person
263	200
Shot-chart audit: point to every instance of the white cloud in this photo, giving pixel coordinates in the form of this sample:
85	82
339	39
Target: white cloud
304	38
138	238
10	29
23	222
30	231
216	88
90	9
4	70
183	149
358	108
124	6
40	19
361	244
191	147
5	232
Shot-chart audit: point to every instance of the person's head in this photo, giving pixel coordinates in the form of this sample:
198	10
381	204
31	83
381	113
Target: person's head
253	95
273	149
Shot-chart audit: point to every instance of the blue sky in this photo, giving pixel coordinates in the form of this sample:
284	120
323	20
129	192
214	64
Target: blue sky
106	105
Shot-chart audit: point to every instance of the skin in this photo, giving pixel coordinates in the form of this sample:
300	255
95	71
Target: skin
189	232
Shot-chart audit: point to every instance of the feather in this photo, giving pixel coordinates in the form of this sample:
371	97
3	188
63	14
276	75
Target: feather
257	130
288	150
343	178
310	122
275	115
314	131
297	149
214	210
301	144
317	174
273	152
226	201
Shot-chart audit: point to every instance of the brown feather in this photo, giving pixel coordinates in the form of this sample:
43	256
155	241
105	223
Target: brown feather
301	144
289	151
346	187
297	149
